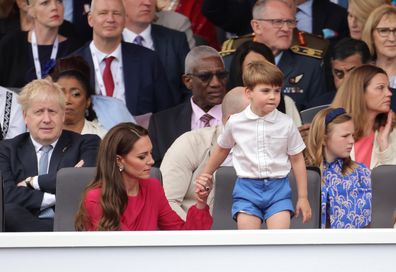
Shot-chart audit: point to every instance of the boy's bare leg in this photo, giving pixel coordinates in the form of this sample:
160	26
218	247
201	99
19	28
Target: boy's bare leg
280	220
247	221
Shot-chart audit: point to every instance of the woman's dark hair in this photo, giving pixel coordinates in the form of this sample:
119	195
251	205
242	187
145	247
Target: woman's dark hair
77	68
235	77
119	140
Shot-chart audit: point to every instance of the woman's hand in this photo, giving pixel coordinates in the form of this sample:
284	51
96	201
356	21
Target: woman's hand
203	187
384	132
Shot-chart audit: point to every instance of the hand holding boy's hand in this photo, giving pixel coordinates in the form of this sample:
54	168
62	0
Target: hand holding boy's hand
203	187
303	207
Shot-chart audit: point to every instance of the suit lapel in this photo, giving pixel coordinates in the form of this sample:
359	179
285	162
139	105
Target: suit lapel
158	40
28	157
131	76
318	17
86	54
185	117
61	147
286	63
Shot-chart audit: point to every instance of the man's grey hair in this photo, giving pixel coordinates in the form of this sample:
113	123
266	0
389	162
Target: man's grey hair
260	5
197	53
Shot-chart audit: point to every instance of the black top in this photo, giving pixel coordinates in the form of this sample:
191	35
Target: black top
16	58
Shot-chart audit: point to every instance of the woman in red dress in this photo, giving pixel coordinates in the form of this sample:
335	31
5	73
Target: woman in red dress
124	197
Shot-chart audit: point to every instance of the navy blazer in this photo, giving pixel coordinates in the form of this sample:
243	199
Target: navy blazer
327	14
146	86
18	160
303	78
172	48
166	126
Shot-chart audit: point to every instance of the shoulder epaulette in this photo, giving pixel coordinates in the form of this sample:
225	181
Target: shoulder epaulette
308	44
231	45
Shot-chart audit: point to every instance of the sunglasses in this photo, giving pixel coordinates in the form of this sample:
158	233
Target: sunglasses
207	77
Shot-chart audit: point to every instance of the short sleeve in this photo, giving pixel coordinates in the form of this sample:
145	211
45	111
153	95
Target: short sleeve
295	143
226	139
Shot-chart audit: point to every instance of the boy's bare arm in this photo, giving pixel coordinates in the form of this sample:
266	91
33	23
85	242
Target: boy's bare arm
300	173
217	157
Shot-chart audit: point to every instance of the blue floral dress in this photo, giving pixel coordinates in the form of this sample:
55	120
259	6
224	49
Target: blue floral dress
346	200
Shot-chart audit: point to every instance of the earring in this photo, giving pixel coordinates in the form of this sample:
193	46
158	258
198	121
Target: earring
86	112
121	168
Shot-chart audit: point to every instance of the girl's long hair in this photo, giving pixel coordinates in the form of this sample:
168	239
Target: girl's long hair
314	153
113	200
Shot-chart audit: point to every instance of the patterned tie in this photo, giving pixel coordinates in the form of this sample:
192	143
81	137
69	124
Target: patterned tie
43	162
138	40
206	119
108	77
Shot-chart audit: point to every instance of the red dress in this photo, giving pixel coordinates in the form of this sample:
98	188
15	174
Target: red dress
149	210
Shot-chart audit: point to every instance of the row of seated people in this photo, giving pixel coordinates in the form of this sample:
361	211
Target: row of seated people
197	79
32	199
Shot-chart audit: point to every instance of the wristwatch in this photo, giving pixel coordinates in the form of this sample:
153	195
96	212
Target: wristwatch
29	181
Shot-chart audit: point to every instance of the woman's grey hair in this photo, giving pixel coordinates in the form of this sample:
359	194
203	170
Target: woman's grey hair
197	53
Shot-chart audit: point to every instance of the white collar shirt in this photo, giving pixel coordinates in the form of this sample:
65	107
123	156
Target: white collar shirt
261	145
304	16
39	153
116	71
129	36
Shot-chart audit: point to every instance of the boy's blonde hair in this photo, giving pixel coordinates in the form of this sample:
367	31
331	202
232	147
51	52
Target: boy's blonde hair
319	131
262	72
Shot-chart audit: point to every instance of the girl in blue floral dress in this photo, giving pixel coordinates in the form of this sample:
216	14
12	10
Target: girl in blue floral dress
346	185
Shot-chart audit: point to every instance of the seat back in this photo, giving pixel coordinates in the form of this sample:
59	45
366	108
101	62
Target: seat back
384	196
308	115
1	205
225	180
70	184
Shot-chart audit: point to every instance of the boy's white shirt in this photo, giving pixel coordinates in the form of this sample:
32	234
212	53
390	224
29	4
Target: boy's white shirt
261	145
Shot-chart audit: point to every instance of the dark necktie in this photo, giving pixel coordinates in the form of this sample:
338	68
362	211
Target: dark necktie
138	40
108	77
206	119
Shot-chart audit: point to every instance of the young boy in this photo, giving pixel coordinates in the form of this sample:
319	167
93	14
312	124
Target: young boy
265	142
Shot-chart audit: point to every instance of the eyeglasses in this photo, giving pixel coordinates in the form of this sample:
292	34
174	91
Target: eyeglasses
278	23
207	77
385	31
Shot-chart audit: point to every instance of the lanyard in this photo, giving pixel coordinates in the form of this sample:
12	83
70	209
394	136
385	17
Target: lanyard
98	74
36	59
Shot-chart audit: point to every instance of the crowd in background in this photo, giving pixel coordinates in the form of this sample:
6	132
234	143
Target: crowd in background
157	82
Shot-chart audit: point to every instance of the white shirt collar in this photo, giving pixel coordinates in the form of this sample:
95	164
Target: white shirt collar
278	57
270	117
37	146
129	36
117	54
306	7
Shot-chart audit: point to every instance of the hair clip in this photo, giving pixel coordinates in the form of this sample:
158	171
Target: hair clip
331	115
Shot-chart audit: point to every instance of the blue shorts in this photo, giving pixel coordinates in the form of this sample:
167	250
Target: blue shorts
261	197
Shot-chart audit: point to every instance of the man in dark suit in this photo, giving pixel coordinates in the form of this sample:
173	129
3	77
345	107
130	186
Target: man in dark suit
76	12
273	23
170	45
206	78
29	162
235	16
122	70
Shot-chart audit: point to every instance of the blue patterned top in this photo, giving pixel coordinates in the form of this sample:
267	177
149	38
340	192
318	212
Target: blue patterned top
346	199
